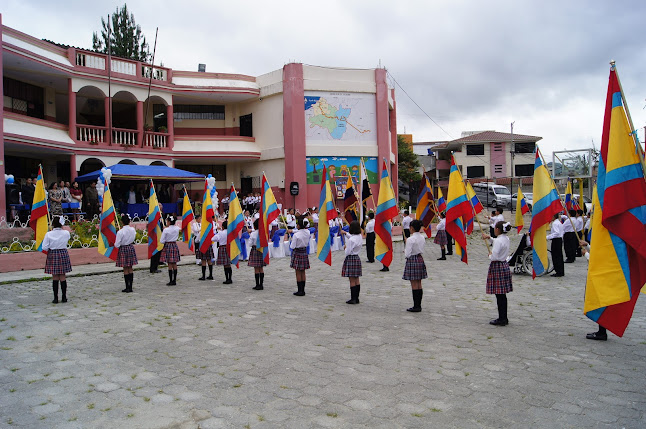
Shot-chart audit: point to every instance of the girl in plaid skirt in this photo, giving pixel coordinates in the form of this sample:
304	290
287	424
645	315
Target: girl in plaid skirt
440	236
58	260
223	257
256	258
127	257
352	264
205	258
415	269
170	252
499	275
300	261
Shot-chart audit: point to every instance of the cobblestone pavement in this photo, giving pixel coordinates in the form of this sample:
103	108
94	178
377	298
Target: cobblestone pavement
208	355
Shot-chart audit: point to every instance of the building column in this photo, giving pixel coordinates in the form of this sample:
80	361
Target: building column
171	126
71	102
140	123
383	137
106	106
73	170
3	194
294	132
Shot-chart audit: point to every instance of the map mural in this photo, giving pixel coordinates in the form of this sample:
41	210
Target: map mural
339	168
339	117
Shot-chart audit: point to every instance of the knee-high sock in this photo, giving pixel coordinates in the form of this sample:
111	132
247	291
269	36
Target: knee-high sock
501	299
64	289
210	270
55	288
203	271
262	279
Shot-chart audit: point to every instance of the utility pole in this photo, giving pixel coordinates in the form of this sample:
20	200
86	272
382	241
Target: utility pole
512	153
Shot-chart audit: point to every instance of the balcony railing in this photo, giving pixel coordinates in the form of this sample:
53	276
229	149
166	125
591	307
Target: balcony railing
90	134
124	67
157	73
124	137
155	140
91	61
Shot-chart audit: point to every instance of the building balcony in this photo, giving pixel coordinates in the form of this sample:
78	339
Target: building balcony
442	164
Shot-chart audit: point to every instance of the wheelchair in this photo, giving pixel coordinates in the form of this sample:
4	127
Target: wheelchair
522	259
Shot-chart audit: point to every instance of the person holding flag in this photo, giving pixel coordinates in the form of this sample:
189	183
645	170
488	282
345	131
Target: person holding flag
499	276
441	207
223	258
521	209
350	202
268	214
352	263
39	219
170	253
425	211
256	257
154	229
415	268
107	228
458	212
127	257
58	263
235	222
440	236
327	213
366	192
204	249
386	211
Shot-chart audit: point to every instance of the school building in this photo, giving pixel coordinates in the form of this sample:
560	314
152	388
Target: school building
75	111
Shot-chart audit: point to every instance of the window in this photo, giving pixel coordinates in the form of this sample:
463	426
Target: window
24	98
524	170
497	168
527	147
246	126
497	147
475	171
198	111
475	149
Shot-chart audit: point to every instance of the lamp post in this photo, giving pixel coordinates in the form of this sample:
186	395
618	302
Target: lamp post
512	153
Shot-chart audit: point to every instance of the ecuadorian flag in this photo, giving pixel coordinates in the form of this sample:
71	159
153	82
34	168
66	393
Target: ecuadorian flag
154	218
327	212
206	229
521	209
386	210
187	218
458	211
39	212
617	270
441	202
108	230
235	222
425	211
268	213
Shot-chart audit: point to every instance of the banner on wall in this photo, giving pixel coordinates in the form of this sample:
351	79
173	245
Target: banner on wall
339	117
338	171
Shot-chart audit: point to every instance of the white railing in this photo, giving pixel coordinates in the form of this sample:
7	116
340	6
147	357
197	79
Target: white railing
89	133
91	61
157	74
124	67
155	140
124	137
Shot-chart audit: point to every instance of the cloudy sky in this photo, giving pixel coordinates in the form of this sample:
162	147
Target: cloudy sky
470	65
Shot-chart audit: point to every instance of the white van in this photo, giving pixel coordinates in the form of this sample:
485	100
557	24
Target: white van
493	195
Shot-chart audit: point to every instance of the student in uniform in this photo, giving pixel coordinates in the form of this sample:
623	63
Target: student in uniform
170	252
223	256
256	259
499	275
570	242
300	261
440	236
315	217
206	259
127	257
370	237
602	333
415	268
406	223
352	263
556	235
578	225
290	219
58	260
154	260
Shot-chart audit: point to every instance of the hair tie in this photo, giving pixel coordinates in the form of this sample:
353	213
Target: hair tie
61	220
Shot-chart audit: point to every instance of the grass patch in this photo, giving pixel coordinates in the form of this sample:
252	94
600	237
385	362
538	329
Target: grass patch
90	406
333	415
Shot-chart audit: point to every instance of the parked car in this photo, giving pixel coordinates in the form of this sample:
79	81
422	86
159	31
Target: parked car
529	199
493	195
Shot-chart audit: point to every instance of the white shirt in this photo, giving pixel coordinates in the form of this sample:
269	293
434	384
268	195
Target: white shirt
248	221
132	197
497	218
273	224
353	244
291	220
370	226
414	244
587	224
578	223
55	239
196	228
170	234
125	236
315	217
442	225
500	249
221	238
256	215
253	239
406	222
301	238
567	225
557	230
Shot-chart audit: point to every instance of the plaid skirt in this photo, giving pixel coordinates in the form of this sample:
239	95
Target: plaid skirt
170	253
223	258
208	255
440	237
499	278
351	266
300	261
58	262
415	268
127	256
255	258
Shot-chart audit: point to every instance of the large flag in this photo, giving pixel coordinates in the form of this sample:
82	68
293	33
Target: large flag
617	270
425	211
235	222
475	202
39	212
458	211
154	219
350	201
441	202
206	229
187	218
268	213
386	210
521	209
108	229
546	204
327	212
366	192
568	196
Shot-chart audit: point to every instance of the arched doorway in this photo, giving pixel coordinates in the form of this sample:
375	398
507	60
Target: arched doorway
160	163
90	165
127	161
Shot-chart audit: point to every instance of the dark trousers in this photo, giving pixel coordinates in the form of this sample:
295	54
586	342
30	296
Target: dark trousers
570	244
578	247
370	246
449	243
154	261
557	256
406	232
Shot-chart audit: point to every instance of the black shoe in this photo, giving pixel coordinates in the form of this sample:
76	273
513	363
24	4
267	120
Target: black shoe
299	293
257	287
557	275
352	301
227	282
209	278
443	258
125	290
370	262
597	336
499	322
414	309
202	278
385	269
171	284
55	301
155	272
449	253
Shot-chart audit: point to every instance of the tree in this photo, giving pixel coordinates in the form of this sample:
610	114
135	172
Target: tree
126	38
408	166
314	162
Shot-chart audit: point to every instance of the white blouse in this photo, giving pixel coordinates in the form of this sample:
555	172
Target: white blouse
196	228
170	234
125	236
291	221
253	238
315	217
56	239
221	238
500	248
301	238
353	244
442	225
406	222
557	230
370	226
414	244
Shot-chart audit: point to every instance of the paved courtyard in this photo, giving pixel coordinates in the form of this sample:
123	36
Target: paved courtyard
208	355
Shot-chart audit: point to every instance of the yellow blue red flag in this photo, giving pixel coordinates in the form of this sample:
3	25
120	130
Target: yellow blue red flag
425	211
107	229
441	202
39	212
268	213
521	209
154	219
617	270
327	212
458	211
187	218
235	222
568	196
206	229
386	211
